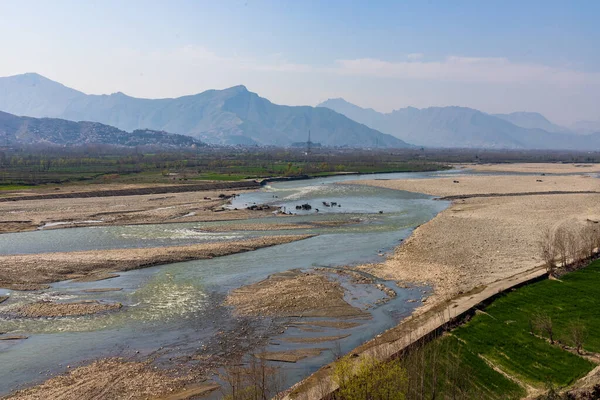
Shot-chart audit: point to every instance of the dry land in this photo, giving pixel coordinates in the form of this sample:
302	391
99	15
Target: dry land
319	339
92	265
293	294
537	168
480	240
198	206
290	356
44	309
113	379
12	337
490	185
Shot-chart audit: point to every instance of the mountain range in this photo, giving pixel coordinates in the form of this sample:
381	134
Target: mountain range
15	130
236	116
464	127
231	116
532	120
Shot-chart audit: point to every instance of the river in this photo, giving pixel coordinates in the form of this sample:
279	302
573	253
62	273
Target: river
176	310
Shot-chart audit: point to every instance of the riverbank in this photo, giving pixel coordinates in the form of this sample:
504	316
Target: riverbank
535	168
72	192
470	252
192	206
92	265
480	240
116	379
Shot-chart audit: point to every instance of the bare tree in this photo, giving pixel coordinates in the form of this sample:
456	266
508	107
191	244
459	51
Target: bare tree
589	238
561	246
543	322
255	381
547	249
574	247
578	334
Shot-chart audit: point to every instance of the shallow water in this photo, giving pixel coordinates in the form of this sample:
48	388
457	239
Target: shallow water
177	307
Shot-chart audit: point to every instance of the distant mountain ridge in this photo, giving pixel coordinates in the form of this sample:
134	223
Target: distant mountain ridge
15	130
532	120
230	116
464	127
586	127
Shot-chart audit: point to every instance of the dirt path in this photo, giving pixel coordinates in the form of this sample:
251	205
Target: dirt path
54	267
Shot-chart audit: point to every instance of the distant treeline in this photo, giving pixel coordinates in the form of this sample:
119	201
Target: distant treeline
38	165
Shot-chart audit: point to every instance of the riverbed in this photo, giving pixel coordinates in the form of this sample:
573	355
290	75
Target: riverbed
175	312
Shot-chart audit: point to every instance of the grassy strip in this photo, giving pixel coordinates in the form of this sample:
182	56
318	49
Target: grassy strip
507	336
448	367
14	187
504	333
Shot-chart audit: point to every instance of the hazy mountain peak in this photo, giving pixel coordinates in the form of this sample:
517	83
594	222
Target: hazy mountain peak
30	76
34	95
229	116
531	120
237	89
455	126
338	100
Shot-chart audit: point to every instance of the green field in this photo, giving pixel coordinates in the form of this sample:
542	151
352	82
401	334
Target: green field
223	165
14	187
501	350
504	336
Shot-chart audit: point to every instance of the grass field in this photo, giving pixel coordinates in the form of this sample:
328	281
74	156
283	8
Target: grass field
448	368
501	351
503	334
38	169
14	187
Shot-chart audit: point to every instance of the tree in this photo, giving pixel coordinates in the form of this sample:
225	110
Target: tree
578	334
561	245
255	381
369	379
547	248
589	238
543	322
574	248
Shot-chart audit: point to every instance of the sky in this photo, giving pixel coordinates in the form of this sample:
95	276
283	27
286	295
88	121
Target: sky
496	56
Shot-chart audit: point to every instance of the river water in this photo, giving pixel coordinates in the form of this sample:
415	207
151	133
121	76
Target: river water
176	310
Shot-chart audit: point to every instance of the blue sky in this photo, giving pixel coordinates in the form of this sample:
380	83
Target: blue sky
497	56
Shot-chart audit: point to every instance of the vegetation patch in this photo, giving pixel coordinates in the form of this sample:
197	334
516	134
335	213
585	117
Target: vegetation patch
516	331
532	338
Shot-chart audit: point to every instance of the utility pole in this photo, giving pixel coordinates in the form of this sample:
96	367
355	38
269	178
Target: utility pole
308	144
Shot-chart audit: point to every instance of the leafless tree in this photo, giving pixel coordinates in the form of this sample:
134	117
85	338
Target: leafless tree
589	238
547	249
575	249
543	322
561	245
255	381
578	334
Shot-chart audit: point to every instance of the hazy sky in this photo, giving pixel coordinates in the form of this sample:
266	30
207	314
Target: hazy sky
497	56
